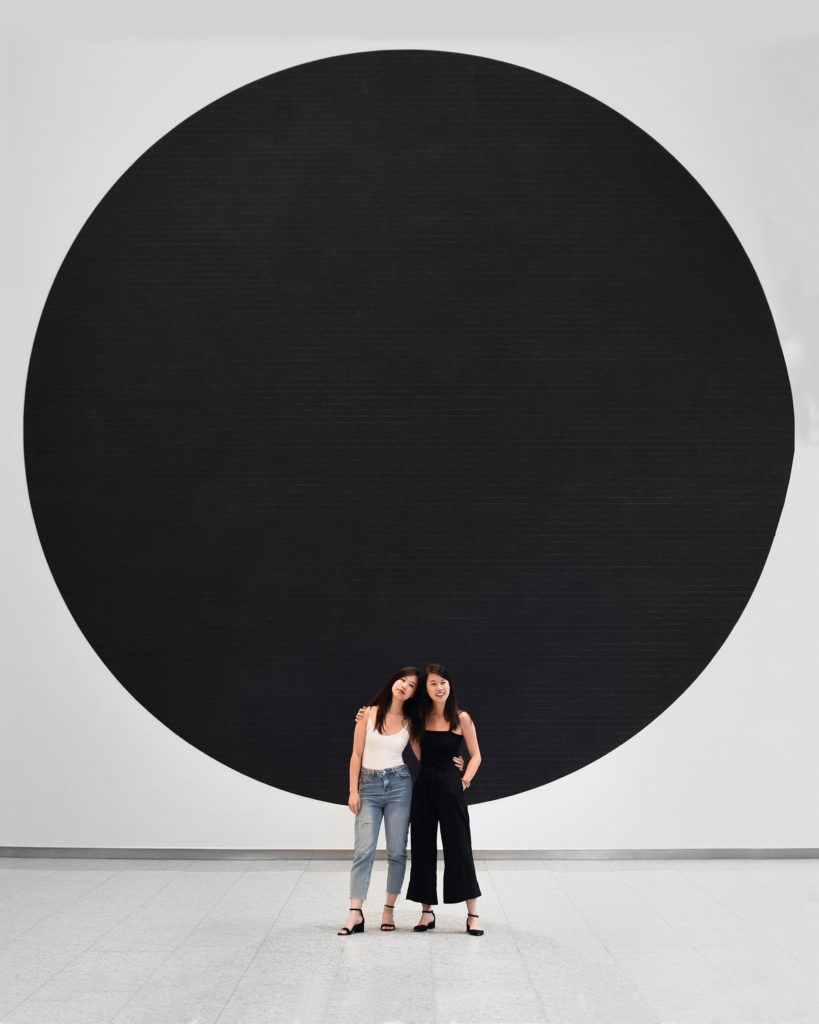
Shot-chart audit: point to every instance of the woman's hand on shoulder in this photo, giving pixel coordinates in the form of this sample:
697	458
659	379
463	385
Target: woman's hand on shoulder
362	713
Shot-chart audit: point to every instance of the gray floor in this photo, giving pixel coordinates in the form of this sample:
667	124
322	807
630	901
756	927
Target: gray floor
570	942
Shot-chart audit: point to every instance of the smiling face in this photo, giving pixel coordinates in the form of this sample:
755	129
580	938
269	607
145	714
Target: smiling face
437	689
405	687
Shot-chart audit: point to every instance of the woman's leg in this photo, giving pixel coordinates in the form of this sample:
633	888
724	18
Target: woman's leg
423	884
367	827
460	880
396	825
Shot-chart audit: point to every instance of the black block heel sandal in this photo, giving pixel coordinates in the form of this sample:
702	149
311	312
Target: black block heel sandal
356	927
388	927
425	927
473	931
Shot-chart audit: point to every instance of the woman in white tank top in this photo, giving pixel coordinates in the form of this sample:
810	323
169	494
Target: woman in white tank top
381	788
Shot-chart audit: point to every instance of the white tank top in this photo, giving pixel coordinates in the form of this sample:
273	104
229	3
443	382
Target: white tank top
382	751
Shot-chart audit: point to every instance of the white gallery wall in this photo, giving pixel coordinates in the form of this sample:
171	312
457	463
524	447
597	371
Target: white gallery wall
88	87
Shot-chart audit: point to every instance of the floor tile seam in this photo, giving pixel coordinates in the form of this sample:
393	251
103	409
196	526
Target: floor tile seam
78	896
34	882
733	913
564	895
782	896
521	957
705	959
765	1017
157	893
614	963
769	1018
82	952
176	948
435	1017
259	945
330	989
797	957
132	911
662	917
752	891
633	892
56	910
586	921
762	932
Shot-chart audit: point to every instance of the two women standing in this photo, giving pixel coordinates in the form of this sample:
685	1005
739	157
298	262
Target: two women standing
422	710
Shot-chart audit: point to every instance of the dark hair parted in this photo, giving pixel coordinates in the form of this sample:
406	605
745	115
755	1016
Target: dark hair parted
424	703
382	701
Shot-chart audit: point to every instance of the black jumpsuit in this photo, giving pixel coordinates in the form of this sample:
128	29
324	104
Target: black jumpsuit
438	796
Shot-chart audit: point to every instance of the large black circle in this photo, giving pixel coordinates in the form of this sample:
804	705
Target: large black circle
406	356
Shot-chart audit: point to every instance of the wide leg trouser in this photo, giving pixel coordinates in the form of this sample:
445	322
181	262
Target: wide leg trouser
438	798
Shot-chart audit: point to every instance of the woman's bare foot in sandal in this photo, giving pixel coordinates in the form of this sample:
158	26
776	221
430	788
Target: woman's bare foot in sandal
427	921
387	918
473	922
354	922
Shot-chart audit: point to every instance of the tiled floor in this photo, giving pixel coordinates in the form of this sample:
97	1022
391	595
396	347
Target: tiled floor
568	942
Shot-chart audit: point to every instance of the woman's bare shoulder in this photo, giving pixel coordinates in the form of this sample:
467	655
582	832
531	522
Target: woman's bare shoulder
464	722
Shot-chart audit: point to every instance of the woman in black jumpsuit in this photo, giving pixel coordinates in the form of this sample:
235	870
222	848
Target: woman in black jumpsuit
439	798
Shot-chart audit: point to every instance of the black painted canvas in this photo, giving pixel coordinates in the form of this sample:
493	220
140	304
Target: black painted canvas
398	357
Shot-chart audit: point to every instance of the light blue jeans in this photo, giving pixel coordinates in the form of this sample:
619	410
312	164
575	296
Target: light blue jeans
384	795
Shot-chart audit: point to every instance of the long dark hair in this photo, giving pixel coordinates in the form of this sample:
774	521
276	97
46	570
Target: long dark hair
424	702
383	699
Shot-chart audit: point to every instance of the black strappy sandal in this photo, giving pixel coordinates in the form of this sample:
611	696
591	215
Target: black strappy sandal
388	927
425	927
473	931
356	927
